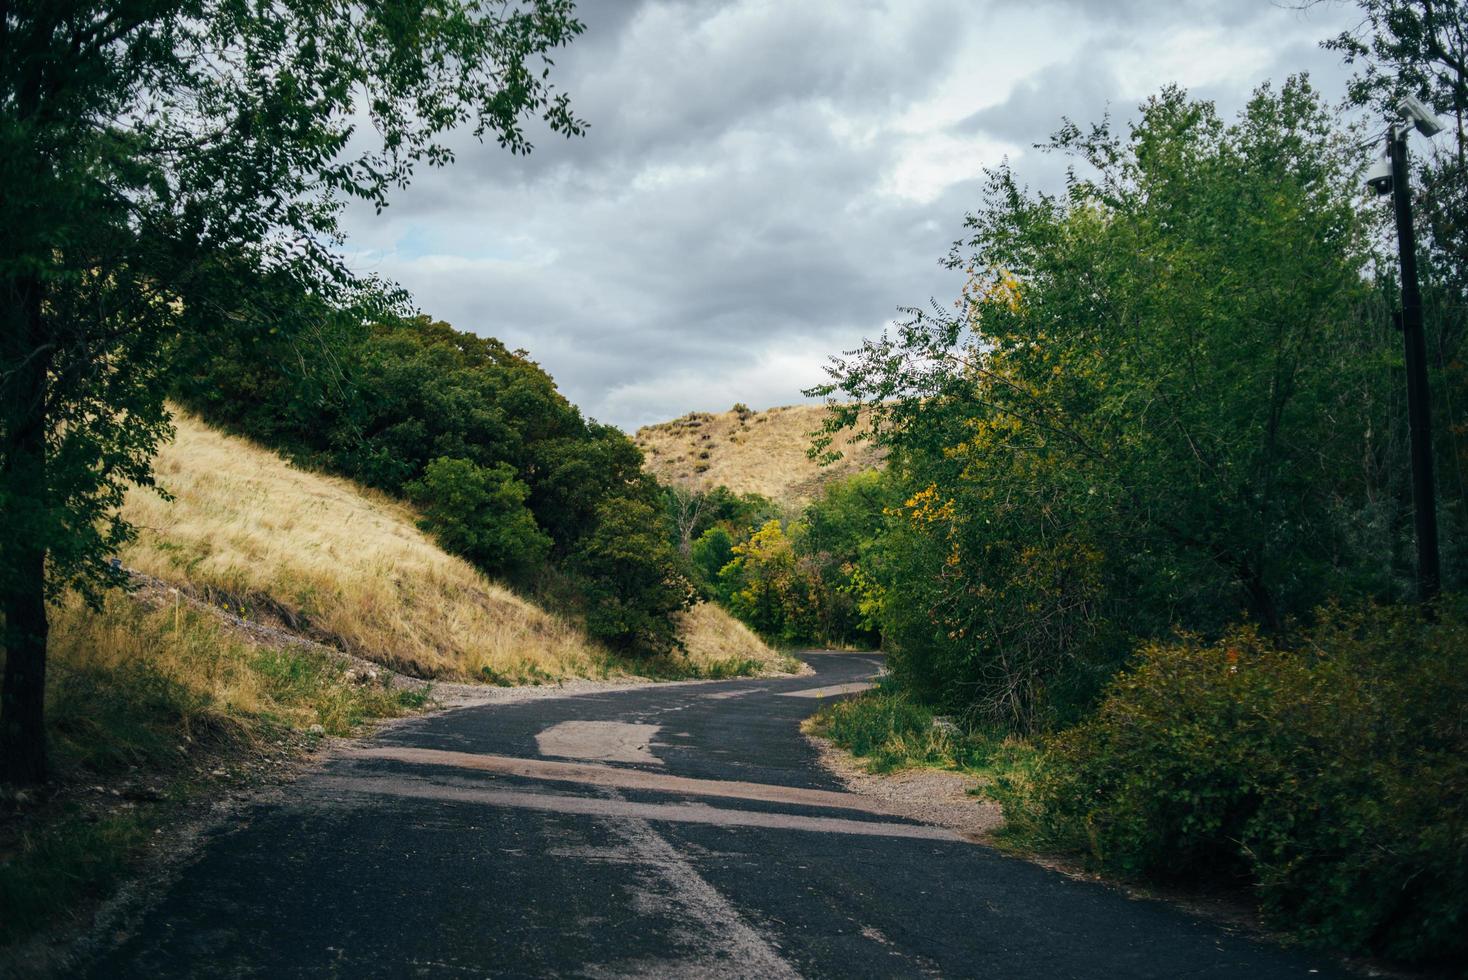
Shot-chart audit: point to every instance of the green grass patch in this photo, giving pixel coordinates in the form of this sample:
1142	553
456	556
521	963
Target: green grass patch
297	677
890	731
58	866
678	667
103	720
728	667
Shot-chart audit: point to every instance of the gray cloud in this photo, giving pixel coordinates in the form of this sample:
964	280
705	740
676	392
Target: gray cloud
763	184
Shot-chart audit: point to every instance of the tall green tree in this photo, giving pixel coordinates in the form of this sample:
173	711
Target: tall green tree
631	574
175	167
1149	409
1420	48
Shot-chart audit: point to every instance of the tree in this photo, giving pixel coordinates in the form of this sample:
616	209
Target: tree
478	512
772	587
1420	48
632	581
1148	410
710	553
684	506
839	535
177	168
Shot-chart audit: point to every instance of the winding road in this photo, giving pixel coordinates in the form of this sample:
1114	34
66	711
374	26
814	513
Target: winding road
665	831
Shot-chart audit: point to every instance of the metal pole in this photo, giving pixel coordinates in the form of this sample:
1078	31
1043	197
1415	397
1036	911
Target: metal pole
1419	417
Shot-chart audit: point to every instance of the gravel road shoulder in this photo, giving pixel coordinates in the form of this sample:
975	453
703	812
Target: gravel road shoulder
932	796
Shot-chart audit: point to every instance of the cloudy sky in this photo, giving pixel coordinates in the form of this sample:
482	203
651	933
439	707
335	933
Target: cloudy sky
765	182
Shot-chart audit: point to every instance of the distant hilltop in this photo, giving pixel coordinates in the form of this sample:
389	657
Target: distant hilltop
749	451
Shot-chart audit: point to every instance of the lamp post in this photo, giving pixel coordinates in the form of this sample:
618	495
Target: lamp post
1419	416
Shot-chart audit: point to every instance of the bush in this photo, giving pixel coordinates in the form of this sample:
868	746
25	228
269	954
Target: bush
478	513
710	553
1332	776
632	582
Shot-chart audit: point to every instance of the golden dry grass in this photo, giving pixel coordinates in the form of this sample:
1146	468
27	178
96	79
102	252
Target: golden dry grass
715	639
349	563
186	672
759	452
350	566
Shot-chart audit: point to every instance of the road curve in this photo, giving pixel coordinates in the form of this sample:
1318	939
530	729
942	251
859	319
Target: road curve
678	831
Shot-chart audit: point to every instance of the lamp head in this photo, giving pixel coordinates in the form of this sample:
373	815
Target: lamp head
1420	116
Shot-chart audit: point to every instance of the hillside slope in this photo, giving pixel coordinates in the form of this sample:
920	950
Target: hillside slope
204	678
348	566
747	451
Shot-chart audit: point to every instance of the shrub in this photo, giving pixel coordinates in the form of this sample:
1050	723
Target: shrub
479	513
1333	776
631	576
710	553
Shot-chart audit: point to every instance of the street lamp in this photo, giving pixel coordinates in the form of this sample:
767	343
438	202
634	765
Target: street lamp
1390	176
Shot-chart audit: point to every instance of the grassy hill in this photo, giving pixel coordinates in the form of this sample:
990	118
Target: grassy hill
323	557
747	451
262	589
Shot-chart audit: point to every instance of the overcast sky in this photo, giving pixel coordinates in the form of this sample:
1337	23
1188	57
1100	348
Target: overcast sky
765	182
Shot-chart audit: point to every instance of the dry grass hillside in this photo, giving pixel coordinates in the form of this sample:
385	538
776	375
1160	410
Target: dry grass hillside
338	563
160	701
748	451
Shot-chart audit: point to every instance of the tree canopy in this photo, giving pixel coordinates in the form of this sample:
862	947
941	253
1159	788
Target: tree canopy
178	169
1151	406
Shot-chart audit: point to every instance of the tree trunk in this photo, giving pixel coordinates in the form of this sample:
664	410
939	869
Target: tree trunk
23	704
1261	601
24	492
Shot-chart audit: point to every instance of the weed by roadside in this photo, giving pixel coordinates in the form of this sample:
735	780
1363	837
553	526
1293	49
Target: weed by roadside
678	666
56	864
889	731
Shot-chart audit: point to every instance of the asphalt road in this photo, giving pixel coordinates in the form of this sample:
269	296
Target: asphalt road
657	832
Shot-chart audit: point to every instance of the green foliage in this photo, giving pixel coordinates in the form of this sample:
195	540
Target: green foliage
177	170
800	581
772	587
891	730
1149	408
1165	400
691	513
710	553
633	584
507	471
479	512
840	534
1333	775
